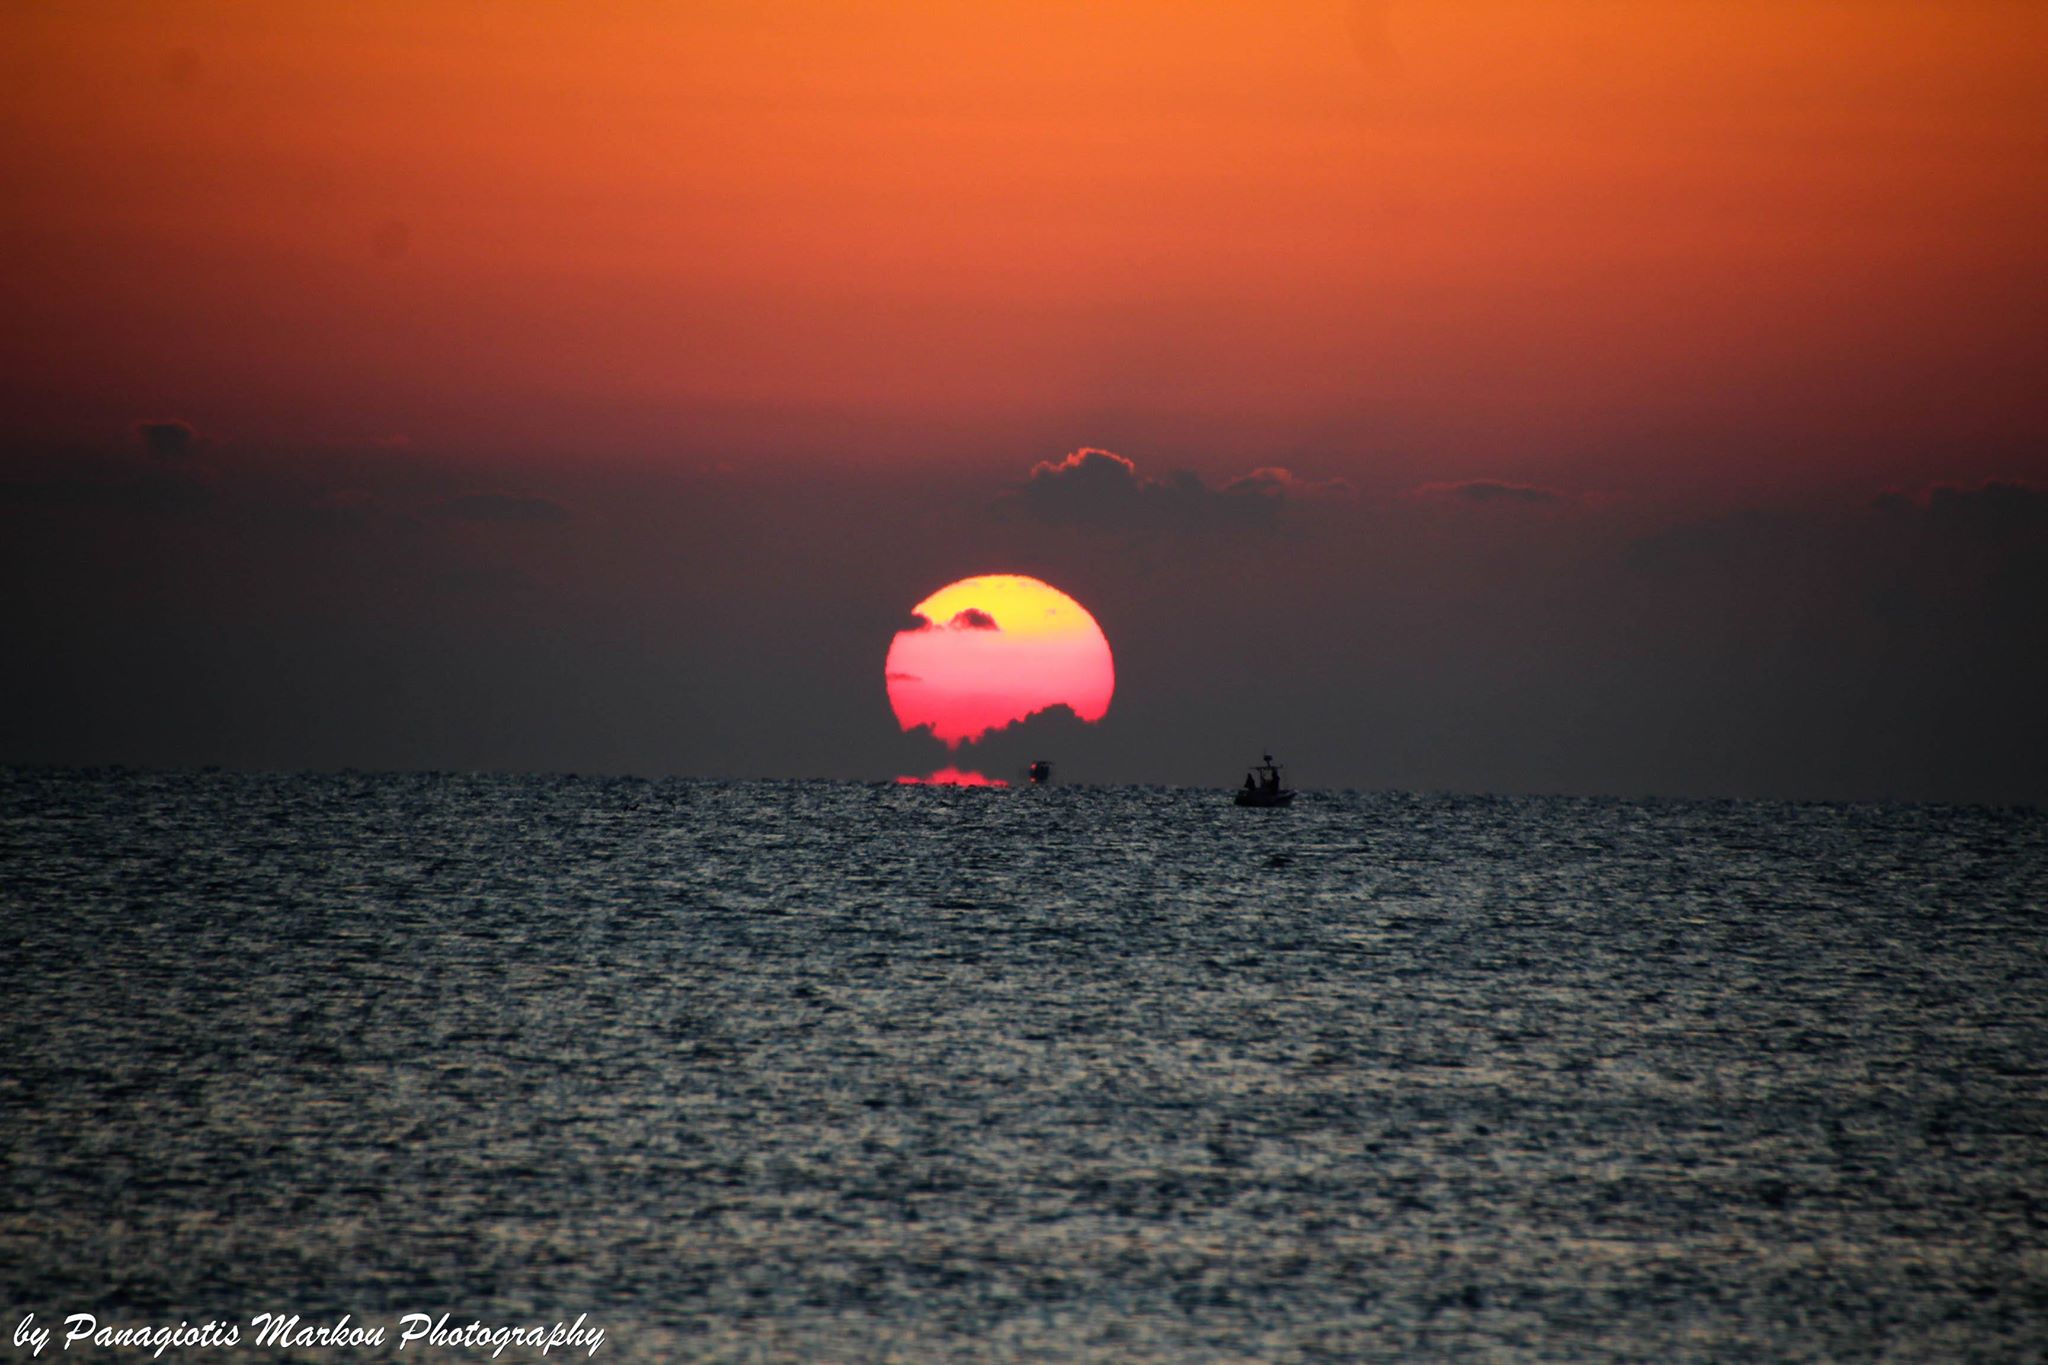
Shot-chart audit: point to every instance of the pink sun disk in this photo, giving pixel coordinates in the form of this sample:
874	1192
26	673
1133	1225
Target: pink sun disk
991	651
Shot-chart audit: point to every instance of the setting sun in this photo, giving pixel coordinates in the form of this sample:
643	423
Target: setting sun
990	651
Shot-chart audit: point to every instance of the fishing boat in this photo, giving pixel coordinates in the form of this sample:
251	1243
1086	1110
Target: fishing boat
1262	786
1040	772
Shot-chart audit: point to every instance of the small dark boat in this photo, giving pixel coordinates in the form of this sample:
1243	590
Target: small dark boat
1262	786
1040	772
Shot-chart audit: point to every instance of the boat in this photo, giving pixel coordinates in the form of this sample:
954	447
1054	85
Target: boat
1262	786
1040	772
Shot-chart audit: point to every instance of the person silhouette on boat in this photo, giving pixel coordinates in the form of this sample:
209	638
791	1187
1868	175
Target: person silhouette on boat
1262	786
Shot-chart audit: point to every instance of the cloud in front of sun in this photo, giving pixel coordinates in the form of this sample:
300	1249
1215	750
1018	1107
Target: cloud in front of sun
990	651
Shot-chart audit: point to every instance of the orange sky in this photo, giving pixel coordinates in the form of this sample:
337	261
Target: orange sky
1467	236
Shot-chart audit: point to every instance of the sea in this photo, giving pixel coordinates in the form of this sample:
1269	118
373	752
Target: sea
762	1071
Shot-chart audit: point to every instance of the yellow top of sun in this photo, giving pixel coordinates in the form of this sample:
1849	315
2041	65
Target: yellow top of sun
1019	605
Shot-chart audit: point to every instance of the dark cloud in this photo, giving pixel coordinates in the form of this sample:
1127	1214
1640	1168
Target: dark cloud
1485	491
171	439
1941	562
1089	486
1956	554
1997	509
134	494
1716	543
974	618
1007	751
499	508
1272	481
1100	488
115	481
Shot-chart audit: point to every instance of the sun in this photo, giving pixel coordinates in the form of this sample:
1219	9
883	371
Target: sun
990	651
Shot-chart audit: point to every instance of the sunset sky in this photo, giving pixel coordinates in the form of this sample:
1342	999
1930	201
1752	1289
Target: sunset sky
1551	396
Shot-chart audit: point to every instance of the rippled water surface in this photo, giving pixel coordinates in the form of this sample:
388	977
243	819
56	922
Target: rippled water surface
837	1072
